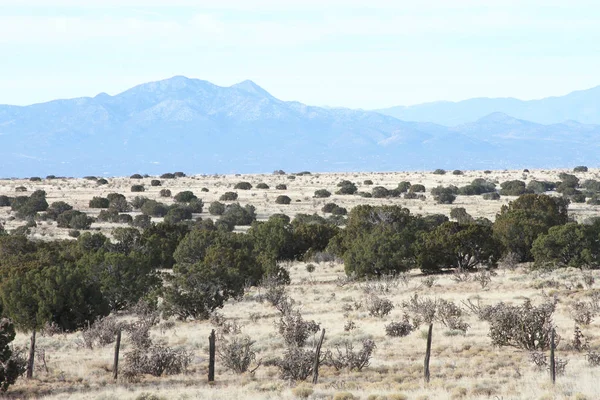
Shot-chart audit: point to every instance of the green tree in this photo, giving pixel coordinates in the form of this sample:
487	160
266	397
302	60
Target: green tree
99	202
513	188
524	219
454	245
216	208
160	241
212	266
10	369
185	196
569	245
322	193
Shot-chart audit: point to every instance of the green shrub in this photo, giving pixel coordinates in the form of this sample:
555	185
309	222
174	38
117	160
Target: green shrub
281	186
329	207
243	186
141	221
346	187
178	214
379	192
229	196
138	188
457	172
580	168
404	186
185	197
118	202
155	182
491	196
513	188
165	193
167	175
216	208
102	181
138	202
322	193
153	208
262	185
418	188
99	202
368	182
283	200
73	219
136	176
439	171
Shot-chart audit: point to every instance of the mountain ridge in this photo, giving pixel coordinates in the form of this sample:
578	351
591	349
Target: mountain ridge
193	125
580	105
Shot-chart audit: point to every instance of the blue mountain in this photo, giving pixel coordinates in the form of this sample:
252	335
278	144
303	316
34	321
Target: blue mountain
198	127
582	106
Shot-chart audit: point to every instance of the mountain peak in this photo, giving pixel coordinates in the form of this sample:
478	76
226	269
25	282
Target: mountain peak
498	117
249	86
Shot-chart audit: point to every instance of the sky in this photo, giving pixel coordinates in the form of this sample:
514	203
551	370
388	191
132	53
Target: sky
349	53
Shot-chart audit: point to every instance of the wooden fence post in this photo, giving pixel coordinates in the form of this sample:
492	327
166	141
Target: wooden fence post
31	356
552	360
116	360
317	355
211	356
426	373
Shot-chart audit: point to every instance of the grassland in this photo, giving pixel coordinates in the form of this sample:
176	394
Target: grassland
463	366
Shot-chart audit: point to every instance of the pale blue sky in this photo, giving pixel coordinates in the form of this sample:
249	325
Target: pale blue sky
353	53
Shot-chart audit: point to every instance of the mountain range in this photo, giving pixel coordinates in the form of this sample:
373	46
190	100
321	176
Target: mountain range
582	106
195	126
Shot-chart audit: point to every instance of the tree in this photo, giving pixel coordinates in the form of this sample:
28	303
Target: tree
418	188
444	195
513	188
153	208
569	245
322	193
524	219
461	246
461	215
274	240
99	202
404	186
160	241
283	199
243	186
216	208
59	294
178	214
229	196
212	266
346	187
74	219
238	215
377	240
379	192
10	369
123	279
185	197
118	202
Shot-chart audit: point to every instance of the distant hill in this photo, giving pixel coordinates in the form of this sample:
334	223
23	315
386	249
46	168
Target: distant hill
582	106
197	127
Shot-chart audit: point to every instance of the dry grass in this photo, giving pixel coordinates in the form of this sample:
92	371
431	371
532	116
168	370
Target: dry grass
462	366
